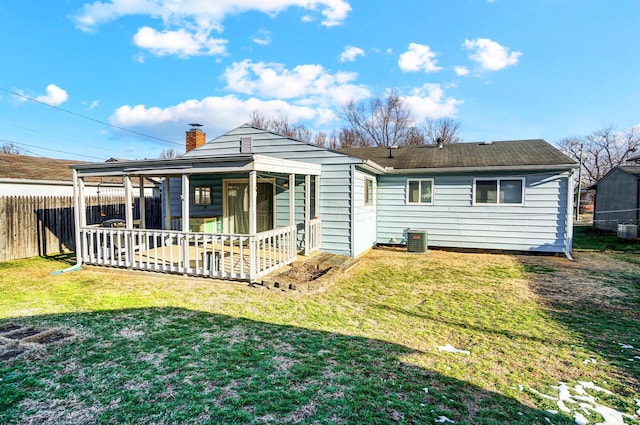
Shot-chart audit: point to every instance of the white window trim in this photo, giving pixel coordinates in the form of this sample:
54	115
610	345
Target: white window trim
195	198
433	187
498	203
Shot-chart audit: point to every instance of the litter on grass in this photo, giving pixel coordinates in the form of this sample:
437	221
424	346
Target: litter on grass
451	349
625	345
575	400
443	419
587	361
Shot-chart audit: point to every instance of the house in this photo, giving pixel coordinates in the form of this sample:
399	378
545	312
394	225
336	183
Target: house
22	175
256	198
617	198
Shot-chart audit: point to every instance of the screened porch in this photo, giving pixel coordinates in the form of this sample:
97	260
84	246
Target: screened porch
238	217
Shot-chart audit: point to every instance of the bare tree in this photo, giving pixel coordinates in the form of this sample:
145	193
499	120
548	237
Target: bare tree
320	139
169	153
281	126
380	122
601	150
443	130
10	148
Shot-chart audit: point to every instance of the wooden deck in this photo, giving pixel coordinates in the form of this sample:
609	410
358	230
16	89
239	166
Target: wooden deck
224	256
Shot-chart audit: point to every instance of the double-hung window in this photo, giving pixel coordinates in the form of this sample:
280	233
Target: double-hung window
202	195
420	191
507	191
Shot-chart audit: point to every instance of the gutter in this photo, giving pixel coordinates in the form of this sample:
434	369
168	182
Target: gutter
492	168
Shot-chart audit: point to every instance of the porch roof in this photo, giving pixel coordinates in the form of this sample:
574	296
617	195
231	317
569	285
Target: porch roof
198	165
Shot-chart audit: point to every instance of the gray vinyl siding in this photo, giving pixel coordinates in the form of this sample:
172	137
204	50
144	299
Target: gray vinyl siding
335	182
453	220
617	200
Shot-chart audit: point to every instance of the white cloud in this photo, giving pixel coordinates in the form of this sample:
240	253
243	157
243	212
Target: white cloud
350	53
419	57
187	24
180	42
218	114
205	15
263	37
491	56
429	102
55	96
310	84
461	70
92	105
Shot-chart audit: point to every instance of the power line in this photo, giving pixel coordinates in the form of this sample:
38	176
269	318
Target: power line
49	149
88	118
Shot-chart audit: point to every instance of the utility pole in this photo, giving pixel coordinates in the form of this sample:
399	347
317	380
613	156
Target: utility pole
579	185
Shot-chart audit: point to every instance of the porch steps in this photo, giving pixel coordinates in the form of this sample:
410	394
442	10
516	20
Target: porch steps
332	265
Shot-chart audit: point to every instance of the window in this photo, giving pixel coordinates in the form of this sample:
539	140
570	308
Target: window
499	191
420	191
368	192
202	195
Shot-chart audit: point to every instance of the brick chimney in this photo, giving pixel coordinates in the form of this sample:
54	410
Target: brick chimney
195	137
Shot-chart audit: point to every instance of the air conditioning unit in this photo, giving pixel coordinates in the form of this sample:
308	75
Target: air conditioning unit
628	231
416	240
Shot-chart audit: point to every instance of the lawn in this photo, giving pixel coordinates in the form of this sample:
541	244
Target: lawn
541	339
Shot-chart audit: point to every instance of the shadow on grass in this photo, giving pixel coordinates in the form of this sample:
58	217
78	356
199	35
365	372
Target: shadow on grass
601	303
171	365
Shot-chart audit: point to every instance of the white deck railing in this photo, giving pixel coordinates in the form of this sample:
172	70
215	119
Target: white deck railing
313	234
226	256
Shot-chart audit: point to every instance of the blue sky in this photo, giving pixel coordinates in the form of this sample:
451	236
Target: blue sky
505	69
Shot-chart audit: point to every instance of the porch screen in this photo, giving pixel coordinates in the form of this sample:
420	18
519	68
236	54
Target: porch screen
238	207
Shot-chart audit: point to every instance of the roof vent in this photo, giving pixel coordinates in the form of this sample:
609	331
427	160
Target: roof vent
486	143
440	142
391	148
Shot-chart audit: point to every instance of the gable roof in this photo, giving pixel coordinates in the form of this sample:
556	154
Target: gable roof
634	170
514	153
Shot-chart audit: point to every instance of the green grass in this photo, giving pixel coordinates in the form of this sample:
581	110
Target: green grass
587	238
150	348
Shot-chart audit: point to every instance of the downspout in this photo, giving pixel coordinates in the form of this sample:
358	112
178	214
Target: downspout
568	242
353	210
76	219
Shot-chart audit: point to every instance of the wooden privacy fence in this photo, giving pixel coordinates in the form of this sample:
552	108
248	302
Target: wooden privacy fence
43	225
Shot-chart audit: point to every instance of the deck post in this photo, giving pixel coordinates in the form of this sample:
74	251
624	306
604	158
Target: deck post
253	216
185	221
292	199
76	216
167	203
307	205
128	207
128	216
143	212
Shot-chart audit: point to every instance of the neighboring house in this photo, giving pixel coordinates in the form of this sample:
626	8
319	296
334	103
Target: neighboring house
617	198
261	196
22	175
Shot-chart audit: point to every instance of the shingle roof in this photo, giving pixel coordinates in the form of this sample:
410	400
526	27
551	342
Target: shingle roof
487	154
631	169
37	168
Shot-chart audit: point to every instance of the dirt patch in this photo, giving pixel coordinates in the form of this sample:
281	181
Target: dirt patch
302	273
17	339
576	282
